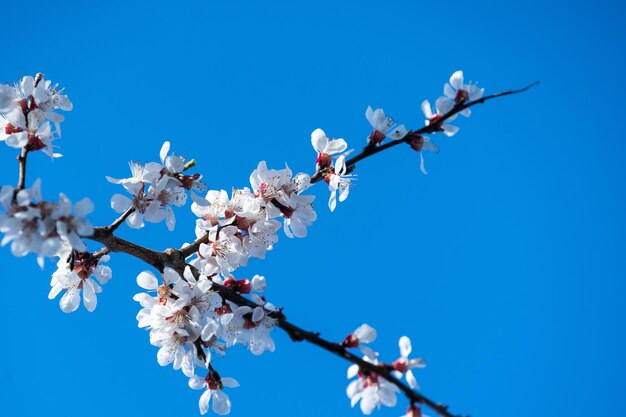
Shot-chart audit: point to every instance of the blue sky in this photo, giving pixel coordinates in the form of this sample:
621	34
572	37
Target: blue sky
505	265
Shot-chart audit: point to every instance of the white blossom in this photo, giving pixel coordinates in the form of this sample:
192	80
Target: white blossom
370	389
457	92
155	188
79	272
214	385
364	334
33	225
403	365
383	127
27	110
419	144
325	147
442	106
339	181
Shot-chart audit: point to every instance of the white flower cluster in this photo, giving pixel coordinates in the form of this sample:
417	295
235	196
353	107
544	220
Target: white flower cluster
76	272
245	225
189	321
456	93
371	389
155	187
27	110
41	227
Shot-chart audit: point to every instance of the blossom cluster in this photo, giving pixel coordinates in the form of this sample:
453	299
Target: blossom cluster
245	224
187	313
27	114
33	225
155	187
190	322
456	93
370	388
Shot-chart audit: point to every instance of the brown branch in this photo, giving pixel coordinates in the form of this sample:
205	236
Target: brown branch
431	128
193	248
113	226
115	244
21	160
298	334
176	259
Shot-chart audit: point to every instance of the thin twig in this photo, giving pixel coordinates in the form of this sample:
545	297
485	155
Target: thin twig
21	159
113	226
431	128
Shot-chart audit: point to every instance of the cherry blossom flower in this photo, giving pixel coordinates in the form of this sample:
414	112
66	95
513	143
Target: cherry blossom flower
33	225
370	389
176	316
419	144
226	248
363	334
155	188
403	365
457	92
384	127
442	106
282	195
79	272
214	385
27	109
326	148
339	181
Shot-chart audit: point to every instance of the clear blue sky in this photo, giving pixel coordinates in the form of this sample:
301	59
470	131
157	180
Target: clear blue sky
505	265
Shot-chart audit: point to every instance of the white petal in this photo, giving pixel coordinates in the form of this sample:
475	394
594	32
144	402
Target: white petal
165	355
221	403
83	207
170	220
332	201
204	402
164	150
450	130
456	80
188	365
410	378
135	220
230	382
70	301
405	346
426	109
368	352
387	397
258	314
365	333
448	91
336	146
319	140
422	166
195	382
147	280
120	203
89	296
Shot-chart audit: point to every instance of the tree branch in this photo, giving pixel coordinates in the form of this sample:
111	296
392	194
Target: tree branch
175	259
428	129
113	226
21	160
